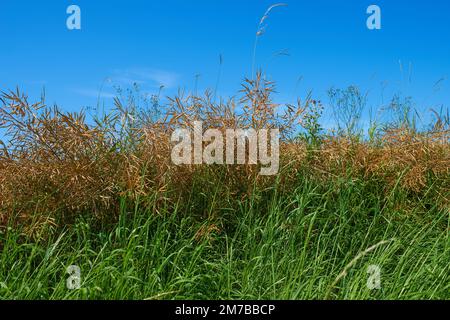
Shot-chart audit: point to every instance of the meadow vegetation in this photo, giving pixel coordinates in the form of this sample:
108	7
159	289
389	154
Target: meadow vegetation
103	194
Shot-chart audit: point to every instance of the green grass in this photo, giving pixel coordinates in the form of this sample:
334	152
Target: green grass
272	246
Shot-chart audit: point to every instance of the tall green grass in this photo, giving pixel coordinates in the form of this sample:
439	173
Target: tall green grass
273	245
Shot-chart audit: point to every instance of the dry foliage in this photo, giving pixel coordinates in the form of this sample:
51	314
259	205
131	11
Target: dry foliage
55	166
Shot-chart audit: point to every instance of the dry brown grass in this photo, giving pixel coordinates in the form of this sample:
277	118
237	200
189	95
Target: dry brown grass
55	166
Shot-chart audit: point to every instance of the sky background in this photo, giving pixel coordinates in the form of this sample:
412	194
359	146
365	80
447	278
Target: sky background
175	42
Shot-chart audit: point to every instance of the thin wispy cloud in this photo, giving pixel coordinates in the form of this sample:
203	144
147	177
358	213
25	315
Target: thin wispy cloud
147	76
144	77
91	93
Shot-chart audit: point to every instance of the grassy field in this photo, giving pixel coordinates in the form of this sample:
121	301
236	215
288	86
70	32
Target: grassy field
104	197
286	247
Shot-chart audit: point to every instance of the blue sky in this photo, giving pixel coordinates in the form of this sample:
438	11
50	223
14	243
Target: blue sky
170	42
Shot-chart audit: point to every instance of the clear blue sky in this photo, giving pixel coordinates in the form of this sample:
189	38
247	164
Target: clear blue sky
170	42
